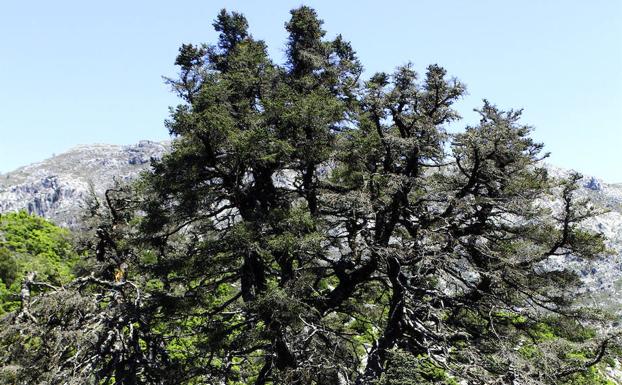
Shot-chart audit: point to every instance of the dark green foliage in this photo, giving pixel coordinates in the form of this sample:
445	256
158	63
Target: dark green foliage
405	369
309	227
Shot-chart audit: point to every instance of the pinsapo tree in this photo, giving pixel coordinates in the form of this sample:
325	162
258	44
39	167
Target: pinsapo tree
312	227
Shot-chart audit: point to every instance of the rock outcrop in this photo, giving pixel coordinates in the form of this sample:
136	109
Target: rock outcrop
57	188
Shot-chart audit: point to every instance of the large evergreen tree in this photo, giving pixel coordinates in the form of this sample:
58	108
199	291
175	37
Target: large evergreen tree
309	227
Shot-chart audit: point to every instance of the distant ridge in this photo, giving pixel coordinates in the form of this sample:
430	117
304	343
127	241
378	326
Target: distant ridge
56	188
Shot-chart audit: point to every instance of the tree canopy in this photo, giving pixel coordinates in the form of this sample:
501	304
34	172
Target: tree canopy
310	226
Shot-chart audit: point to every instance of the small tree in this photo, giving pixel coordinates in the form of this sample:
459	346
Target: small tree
312	228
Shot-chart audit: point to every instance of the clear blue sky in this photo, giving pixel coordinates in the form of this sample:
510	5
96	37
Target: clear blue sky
74	72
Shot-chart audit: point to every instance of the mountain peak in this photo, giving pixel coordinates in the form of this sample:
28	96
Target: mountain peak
57	187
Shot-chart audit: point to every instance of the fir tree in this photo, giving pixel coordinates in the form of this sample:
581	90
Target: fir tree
309	227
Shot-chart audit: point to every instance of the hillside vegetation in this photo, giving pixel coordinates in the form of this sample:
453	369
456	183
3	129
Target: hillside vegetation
29	243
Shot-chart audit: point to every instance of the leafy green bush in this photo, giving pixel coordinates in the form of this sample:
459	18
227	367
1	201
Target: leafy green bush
30	243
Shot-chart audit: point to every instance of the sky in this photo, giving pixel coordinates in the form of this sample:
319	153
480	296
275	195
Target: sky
79	72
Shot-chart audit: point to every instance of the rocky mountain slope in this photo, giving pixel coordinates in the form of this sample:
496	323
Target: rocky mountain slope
57	188
602	277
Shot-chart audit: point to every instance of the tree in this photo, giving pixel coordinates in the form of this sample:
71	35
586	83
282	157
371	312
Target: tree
309	227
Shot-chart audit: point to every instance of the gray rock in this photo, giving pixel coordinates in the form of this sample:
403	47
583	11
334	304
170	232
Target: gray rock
57	188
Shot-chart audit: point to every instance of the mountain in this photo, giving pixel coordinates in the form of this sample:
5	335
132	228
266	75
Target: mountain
57	188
